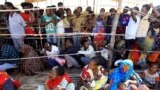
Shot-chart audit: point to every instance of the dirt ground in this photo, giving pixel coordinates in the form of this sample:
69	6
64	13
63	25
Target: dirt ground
32	82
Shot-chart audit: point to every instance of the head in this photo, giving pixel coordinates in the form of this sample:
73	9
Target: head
1	7
26	5
36	11
85	44
93	63
68	12
68	43
102	10
136	9
9	5
79	10
89	9
145	8
60	6
47	46
122	86
25	49
49	11
41	11
53	9
153	67
112	12
56	72
126	65
125	10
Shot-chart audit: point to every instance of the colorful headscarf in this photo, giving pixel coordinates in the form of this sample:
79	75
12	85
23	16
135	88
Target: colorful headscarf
118	76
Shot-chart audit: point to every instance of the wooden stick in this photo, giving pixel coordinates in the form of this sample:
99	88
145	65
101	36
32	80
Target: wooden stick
114	28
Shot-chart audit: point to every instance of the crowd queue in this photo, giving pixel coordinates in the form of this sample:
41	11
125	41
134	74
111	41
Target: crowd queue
37	39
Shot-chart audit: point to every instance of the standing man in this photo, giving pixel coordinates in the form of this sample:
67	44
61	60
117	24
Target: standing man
16	25
60	11
130	34
143	25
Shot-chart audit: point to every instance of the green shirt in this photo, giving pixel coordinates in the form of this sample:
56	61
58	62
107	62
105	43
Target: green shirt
51	27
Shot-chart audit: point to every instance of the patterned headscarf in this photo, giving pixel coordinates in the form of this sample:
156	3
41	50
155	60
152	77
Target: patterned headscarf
118	76
28	50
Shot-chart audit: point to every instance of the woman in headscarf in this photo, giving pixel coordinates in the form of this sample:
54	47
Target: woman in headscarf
30	66
58	79
124	74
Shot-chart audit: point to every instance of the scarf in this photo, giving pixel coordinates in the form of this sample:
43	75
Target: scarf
53	83
118	76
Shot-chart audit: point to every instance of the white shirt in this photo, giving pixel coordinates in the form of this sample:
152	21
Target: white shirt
151	78
54	51
143	27
16	25
132	28
88	53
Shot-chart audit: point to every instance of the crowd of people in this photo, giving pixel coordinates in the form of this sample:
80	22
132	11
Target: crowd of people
37	39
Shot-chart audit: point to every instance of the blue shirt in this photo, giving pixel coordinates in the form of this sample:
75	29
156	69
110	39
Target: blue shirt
124	19
8	52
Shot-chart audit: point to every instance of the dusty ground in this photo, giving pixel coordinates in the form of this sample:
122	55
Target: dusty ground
32	82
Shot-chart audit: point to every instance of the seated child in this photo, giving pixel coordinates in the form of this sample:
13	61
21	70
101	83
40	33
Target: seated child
58	80
6	82
151	76
93	75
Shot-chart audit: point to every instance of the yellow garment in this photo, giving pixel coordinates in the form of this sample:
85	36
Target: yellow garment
143	27
148	43
76	21
100	83
142	56
85	13
66	22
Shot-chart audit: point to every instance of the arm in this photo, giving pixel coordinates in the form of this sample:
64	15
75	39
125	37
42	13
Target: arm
46	23
22	21
133	15
86	52
46	86
155	11
157	82
84	83
43	21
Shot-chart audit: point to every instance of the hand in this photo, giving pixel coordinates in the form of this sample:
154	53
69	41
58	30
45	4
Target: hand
52	21
127	82
151	5
59	88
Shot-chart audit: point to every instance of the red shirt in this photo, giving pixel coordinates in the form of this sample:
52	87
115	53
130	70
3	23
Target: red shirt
27	18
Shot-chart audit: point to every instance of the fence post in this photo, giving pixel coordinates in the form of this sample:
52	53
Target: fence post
114	28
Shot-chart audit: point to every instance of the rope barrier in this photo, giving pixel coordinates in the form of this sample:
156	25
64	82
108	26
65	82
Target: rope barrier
55	8
143	14
40	57
67	35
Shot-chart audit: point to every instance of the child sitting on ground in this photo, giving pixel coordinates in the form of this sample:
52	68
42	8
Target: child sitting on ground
58	80
93	75
151	76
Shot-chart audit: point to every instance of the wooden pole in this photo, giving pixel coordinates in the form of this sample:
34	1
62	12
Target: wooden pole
114	28
94	2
